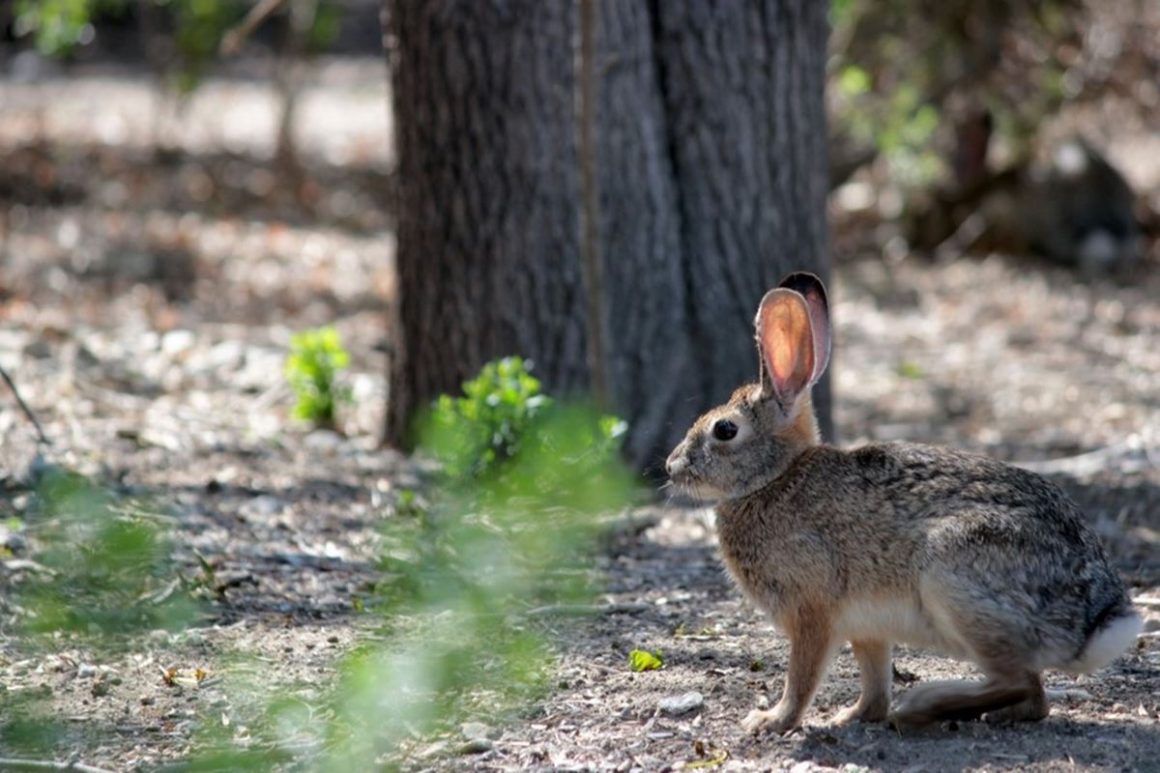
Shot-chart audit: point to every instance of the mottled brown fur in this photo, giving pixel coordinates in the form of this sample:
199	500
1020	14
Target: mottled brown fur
897	543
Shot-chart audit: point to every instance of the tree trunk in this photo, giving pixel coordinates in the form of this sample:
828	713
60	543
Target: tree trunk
712	179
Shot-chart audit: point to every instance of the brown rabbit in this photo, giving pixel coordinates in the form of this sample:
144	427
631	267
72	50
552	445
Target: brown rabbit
894	543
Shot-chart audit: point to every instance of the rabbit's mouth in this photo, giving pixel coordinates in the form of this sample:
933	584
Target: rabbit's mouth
686	485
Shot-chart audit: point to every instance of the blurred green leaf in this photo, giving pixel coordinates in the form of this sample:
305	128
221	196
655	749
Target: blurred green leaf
910	370
58	25
841	11
854	81
643	660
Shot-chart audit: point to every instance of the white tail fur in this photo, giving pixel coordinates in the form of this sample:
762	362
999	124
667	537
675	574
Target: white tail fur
1107	644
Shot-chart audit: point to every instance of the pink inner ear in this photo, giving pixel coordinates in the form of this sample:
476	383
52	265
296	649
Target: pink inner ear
787	342
814	292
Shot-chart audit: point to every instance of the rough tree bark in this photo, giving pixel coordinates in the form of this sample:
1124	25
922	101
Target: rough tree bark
712	179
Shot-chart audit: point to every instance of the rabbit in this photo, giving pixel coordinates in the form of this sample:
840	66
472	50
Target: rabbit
893	542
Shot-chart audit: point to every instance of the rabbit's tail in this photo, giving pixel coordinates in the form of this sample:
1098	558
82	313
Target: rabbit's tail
1115	630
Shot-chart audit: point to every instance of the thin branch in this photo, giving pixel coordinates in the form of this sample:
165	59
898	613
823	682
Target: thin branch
234	38
24	407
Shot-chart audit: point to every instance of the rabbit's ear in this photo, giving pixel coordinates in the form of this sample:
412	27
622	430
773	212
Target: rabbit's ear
812	289
786	342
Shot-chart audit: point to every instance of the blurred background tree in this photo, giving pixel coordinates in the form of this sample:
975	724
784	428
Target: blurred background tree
710	159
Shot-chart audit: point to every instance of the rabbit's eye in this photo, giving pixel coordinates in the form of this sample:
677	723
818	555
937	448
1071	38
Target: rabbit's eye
724	430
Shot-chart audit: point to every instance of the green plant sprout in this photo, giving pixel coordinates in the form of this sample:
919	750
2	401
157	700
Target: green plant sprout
643	660
312	368
499	411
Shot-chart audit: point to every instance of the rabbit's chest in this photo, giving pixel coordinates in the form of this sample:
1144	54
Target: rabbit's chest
781	572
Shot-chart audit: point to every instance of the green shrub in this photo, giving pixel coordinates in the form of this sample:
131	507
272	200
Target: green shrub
904	71
500	411
316	359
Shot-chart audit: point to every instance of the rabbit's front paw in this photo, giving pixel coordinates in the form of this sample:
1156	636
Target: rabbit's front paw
776	720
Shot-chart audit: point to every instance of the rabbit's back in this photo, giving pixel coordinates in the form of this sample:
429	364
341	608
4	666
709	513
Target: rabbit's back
1000	546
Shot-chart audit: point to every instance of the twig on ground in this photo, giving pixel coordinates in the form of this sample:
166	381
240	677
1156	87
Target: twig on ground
12	763
580	610
24	406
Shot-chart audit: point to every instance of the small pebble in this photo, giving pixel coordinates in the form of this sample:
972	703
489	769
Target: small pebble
675	705
261	506
1068	694
177	341
474	730
322	440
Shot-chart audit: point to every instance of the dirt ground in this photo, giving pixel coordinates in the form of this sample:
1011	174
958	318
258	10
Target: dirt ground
146	318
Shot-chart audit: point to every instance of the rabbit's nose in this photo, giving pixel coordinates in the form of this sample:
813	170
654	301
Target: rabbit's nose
675	463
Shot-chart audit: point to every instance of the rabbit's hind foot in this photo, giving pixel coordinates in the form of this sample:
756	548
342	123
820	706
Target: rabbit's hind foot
963	700
1031	709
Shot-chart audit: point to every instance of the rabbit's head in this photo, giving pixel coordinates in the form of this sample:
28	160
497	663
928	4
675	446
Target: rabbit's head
739	447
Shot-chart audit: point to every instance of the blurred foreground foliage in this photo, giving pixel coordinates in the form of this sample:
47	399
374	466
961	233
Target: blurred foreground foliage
103	571
500	535
100	575
503	532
